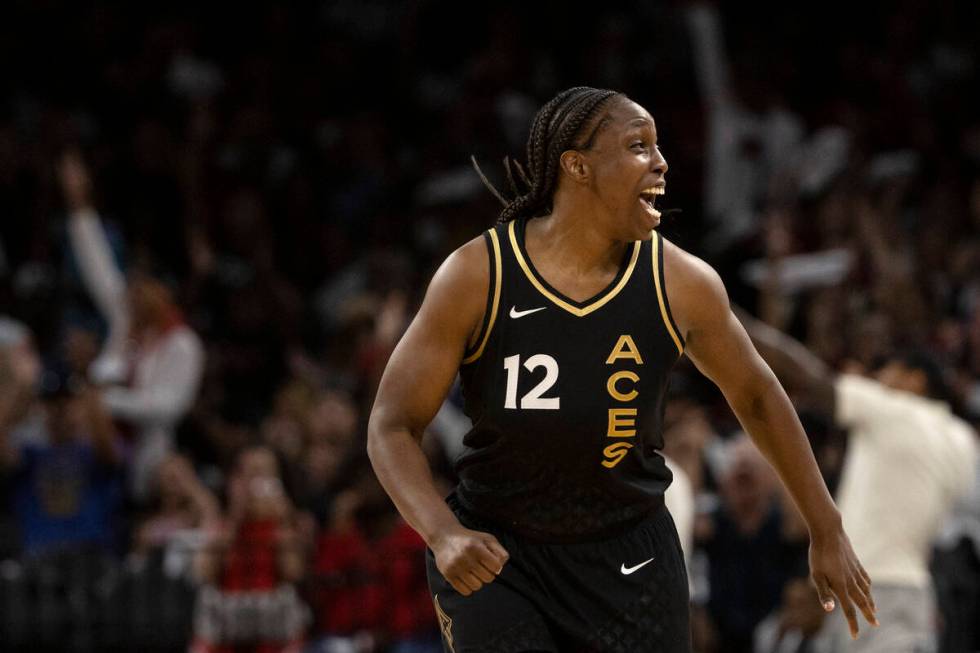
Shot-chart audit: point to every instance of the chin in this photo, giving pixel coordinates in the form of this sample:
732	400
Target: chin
643	228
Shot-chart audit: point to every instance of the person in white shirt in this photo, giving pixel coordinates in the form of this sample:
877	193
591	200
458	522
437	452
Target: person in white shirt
152	361
908	459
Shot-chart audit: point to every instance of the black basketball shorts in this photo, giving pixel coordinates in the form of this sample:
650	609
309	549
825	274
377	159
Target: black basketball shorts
627	594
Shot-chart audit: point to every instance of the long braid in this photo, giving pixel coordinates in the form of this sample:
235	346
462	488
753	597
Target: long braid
537	144
555	129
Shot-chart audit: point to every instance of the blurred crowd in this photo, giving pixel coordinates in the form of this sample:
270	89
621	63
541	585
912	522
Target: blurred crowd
215	226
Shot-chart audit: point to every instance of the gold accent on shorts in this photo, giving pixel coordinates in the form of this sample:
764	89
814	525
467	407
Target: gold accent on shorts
445	624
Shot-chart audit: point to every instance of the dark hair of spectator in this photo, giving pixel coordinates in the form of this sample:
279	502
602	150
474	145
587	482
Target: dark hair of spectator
557	127
917	359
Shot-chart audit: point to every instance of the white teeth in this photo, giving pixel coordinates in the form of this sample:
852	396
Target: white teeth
654	190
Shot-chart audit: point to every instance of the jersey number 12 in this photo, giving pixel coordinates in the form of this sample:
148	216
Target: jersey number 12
533	398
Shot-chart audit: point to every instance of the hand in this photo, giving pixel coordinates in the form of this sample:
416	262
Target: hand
836	571
75	182
469	559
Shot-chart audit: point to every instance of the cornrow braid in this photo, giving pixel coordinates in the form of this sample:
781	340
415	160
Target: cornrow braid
556	128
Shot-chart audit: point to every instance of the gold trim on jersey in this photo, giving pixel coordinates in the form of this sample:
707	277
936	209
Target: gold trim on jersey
496	299
574	310
660	293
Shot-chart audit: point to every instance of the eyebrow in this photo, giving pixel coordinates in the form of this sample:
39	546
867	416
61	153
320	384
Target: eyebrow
635	121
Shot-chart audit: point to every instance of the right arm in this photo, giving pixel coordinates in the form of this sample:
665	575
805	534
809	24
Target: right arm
414	385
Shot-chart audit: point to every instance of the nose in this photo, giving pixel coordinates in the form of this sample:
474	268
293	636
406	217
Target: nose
657	162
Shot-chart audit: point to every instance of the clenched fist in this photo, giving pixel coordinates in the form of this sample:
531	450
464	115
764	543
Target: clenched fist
469	559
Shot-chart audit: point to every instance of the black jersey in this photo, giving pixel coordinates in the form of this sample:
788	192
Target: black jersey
567	398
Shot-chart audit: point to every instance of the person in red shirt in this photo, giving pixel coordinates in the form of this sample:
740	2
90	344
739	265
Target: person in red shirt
248	602
368	581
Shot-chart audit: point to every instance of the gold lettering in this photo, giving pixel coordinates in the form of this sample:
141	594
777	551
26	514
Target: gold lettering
616	394
622	423
625	348
615	452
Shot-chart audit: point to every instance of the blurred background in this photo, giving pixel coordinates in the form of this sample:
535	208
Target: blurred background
215	223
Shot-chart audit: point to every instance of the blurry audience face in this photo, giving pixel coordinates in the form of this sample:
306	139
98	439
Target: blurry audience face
150	302
321	463
266	498
898	376
285	435
81	347
748	483
257	484
333	418
258	462
875	333
20	363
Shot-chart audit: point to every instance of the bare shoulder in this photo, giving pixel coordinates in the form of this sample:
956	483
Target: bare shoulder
457	294
467	267
694	289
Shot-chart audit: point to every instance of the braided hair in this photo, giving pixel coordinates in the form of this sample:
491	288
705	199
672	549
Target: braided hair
556	127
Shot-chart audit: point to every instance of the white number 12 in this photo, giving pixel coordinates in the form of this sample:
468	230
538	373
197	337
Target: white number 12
532	399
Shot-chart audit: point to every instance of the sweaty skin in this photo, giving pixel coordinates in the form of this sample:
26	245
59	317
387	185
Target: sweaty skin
597	211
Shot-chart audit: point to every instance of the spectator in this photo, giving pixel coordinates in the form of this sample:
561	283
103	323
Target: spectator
248	598
152	361
185	515
686	433
67	474
956	570
369	584
750	545
796	626
19	375
908	459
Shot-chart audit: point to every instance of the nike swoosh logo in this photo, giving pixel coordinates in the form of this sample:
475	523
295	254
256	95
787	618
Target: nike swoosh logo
626	571
514	313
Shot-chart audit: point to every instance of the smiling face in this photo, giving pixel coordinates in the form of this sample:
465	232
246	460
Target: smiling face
622	174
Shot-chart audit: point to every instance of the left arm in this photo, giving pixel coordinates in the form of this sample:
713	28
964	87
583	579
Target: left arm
721	350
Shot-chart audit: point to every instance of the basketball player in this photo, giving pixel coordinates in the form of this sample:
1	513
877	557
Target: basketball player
564	322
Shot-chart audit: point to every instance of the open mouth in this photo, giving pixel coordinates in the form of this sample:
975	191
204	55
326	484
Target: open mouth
649	197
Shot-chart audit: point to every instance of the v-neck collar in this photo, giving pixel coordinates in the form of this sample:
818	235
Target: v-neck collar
579	309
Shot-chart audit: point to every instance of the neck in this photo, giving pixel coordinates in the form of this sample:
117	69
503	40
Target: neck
574	232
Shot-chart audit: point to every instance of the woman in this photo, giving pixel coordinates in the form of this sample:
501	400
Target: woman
563	322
